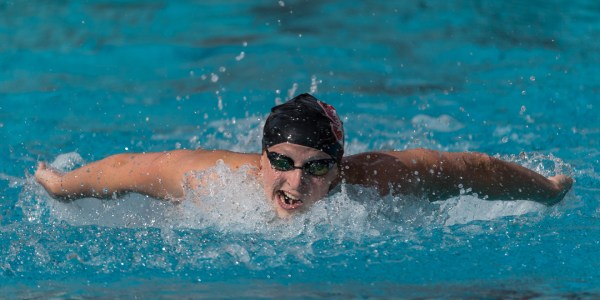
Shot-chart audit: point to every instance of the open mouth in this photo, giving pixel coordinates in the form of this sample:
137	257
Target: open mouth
287	201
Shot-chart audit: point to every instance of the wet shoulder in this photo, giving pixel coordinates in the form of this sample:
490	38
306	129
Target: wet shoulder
235	160
379	167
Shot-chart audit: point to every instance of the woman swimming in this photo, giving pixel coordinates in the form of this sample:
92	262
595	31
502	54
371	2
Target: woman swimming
302	161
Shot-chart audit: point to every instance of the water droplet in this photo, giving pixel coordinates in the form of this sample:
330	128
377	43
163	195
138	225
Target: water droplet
241	56
313	84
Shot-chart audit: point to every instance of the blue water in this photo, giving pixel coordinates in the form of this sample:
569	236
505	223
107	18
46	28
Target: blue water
80	80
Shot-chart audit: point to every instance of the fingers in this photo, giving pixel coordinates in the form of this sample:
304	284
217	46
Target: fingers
45	175
41	170
563	182
41	166
49	179
562	185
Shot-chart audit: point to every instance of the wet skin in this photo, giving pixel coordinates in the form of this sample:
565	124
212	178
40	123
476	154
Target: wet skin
429	174
296	189
165	175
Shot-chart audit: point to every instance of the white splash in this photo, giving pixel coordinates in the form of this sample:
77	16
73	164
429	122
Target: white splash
467	208
314	84
232	201
443	123
67	161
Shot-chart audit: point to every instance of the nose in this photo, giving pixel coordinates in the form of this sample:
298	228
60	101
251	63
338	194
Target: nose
296	179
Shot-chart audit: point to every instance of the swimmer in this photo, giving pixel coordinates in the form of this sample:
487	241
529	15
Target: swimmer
302	161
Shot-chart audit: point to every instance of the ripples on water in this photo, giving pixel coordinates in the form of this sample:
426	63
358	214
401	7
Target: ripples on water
100	78
231	224
230	231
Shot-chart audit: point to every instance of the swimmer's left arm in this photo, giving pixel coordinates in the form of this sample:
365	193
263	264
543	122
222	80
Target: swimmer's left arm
439	175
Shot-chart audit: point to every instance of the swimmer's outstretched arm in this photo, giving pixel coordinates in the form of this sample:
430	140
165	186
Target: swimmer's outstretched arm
159	175
440	175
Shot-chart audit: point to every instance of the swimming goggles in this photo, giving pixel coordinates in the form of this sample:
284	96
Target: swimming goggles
318	167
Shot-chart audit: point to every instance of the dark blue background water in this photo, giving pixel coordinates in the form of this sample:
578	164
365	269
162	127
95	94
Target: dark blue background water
98	78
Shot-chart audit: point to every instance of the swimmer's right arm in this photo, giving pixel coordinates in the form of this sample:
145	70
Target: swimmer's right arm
159	175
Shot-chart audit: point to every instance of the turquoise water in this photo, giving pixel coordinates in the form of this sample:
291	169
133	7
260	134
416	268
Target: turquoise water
83	80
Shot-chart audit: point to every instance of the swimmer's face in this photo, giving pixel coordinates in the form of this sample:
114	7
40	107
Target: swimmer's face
296	189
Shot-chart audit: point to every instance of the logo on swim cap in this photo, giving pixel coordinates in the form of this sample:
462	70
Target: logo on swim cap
336	123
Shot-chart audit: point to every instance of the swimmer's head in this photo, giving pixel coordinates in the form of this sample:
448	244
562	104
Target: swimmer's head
305	120
301	138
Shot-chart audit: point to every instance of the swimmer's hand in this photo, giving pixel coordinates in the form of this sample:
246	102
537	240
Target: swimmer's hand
561	185
51	180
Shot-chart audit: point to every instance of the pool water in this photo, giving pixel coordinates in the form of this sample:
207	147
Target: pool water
83	80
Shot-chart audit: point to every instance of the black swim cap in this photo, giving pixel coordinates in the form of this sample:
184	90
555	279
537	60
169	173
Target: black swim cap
306	121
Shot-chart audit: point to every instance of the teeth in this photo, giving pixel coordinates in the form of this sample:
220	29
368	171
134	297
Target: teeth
289	199
289	196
